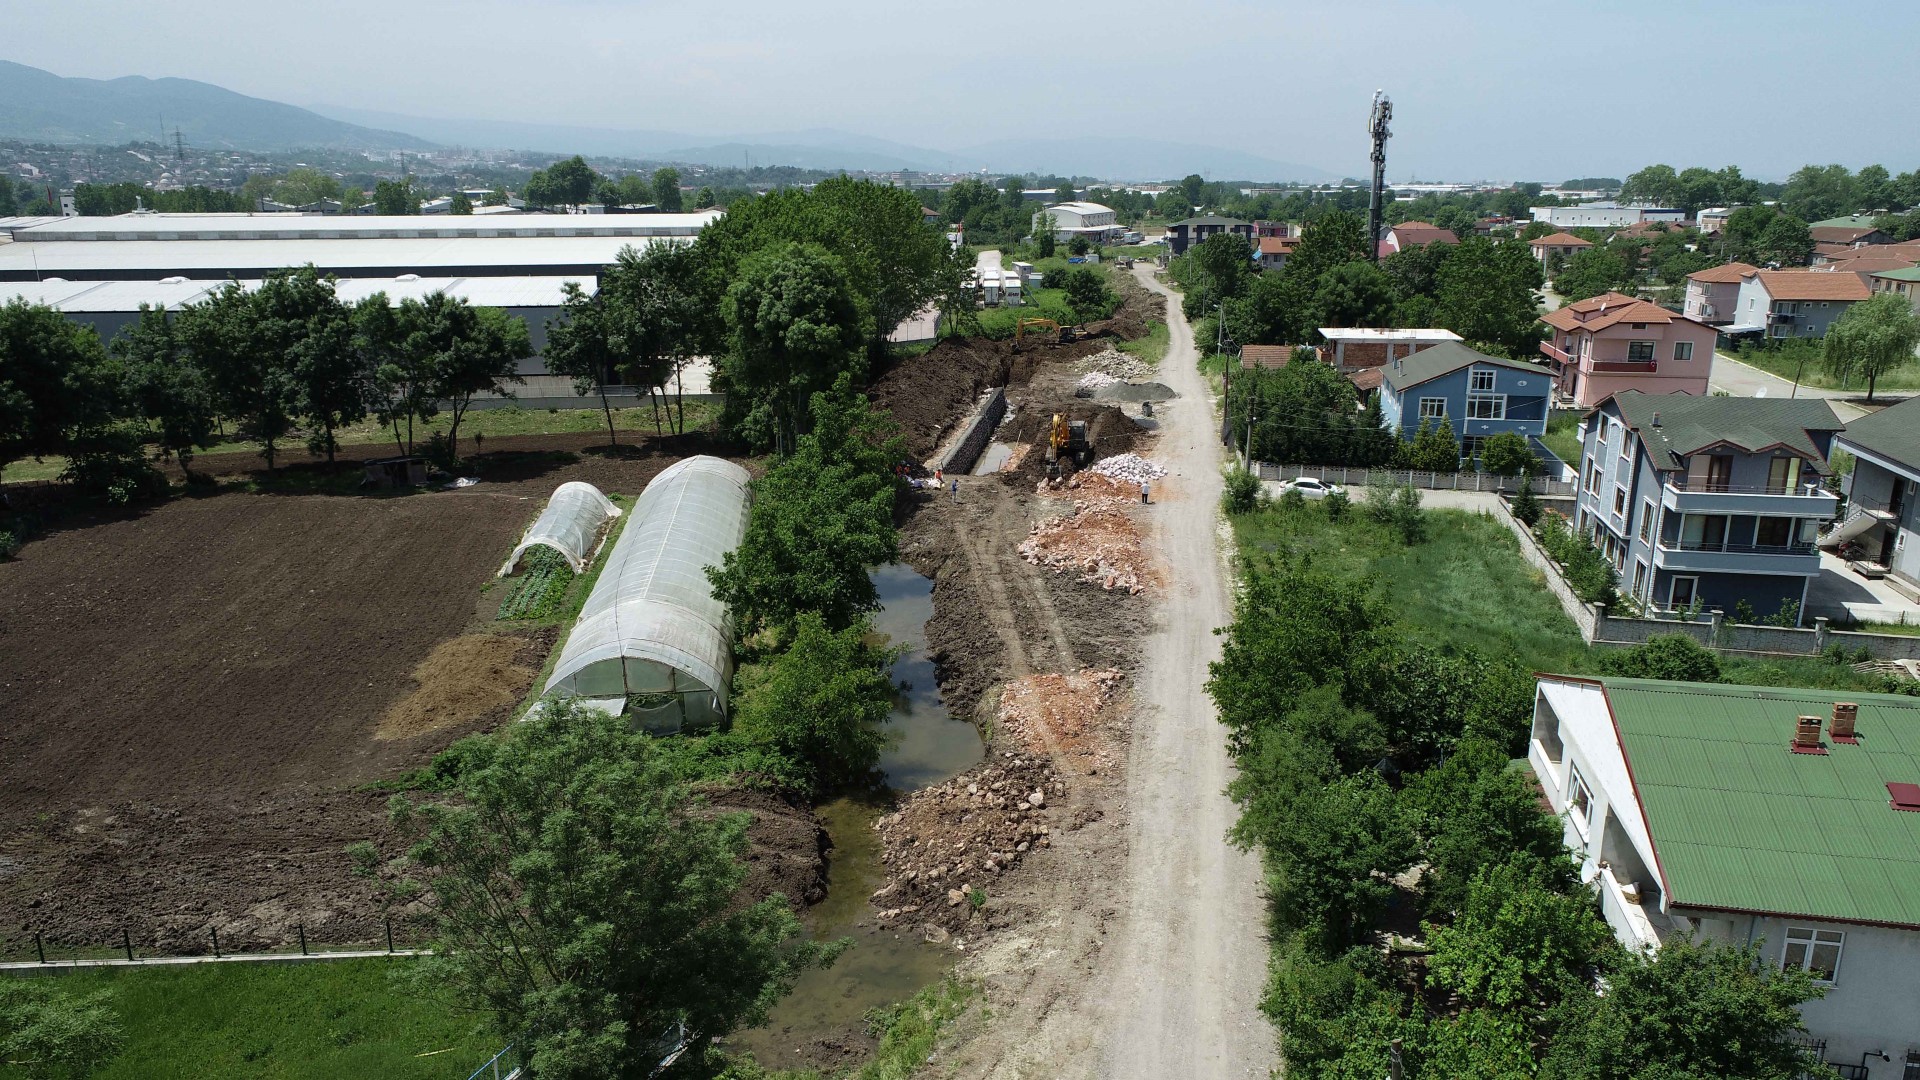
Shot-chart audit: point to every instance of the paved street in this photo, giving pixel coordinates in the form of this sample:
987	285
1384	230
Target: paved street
1745	380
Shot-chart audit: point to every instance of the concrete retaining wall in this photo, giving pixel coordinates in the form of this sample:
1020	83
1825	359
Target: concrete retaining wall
978	431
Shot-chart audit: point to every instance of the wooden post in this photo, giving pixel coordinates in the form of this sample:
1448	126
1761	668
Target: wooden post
215	931
389	921
1396	1068
126	942
39	947
302	928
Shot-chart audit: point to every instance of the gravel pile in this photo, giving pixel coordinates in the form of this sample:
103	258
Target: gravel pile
1127	391
1091	382
1117	364
1127	468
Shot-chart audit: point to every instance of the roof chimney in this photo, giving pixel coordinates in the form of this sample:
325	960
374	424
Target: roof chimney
1806	736
1844	714
1656	418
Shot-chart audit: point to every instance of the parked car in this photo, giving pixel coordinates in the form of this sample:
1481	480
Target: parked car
1311	487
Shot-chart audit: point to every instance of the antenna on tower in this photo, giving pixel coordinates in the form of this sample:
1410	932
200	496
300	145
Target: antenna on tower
179	147
1377	122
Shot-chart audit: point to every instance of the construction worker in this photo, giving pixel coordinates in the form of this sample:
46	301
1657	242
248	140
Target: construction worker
956	489
1143	491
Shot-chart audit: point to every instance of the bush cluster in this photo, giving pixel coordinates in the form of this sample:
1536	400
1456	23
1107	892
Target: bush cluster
1587	571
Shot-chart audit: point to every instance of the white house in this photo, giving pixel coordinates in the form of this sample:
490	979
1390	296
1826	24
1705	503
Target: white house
1777	817
1091	220
1604	215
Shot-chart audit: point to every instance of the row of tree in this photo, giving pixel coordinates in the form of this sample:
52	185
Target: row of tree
573	182
287	357
1481	288
1364	755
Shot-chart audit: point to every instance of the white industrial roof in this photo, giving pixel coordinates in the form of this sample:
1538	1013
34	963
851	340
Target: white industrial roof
77	297
1360	333
189	227
1082	207
217	258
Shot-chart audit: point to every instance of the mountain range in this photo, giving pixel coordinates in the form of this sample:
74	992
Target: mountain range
40	106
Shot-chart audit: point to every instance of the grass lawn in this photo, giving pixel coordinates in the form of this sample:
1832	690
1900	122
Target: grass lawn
320	1019
1467	585
1562	437
1153	347
1803	358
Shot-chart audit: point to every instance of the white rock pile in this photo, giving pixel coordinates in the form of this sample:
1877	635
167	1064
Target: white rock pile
1092	381
1117	364
1127	468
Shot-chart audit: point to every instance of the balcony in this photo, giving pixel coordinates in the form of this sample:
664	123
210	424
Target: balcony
1698	495
1621	903
1624	367
1724	558
1555	353
1780	317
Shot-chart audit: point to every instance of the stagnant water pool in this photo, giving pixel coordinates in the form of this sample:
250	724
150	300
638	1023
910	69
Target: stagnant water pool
928	746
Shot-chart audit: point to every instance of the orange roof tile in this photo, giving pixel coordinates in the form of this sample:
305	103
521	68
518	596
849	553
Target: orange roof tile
1266	356
1277	245
1560	239
1367	378
1422	233
1730	274
1608	309
1813	285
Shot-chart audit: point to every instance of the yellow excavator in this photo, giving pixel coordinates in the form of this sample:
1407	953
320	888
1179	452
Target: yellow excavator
1068	439
1062	334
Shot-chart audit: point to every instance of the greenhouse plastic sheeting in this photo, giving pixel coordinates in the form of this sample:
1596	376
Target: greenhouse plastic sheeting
570	525
652	626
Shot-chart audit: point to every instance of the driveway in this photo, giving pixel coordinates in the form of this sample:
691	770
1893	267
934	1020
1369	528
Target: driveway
1745	380
1839	593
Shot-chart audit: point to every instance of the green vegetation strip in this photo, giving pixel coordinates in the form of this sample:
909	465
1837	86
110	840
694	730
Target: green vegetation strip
541	589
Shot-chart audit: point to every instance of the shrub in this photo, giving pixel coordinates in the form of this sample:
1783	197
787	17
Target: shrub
1337	504
1526	506
1408	518
115	470
1507	454
1242	491
1664	656
1291	500
9	545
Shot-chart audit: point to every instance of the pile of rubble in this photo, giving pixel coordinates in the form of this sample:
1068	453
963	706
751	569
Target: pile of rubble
1089	486
1128	469
946	844
1098	540
1117	364
1062	715
1091	382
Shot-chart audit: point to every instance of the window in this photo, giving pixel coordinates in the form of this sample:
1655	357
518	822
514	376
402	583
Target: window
1620	500
1773	532
1433	408
1646	521
1682	592
1482	382
1471	445
1817	952
1487	407
1683	350
1640	351
1783	475
1639	578
1579	798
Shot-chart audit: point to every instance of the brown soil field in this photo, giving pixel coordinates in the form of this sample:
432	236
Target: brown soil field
198	693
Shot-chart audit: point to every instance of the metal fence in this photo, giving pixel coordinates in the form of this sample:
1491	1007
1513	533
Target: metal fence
130	945
1349	476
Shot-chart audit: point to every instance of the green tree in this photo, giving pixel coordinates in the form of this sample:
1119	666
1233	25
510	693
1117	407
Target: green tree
460	205
1657	184
580	346
1874	337
1472	812
249	362
1526	505
302	187
296	312
820	703
1172	205
55	388
1486	1044
571	182
1664	656
1064	192
402	384
1487	295
1191	186
666	190
1508	454
704	199
464	351
166	386
1088	295
1434	448
1592	272
46	1034
1354	294
821	518
395	197
589	906
1517	944
793	327
1816	192
1044	238
1078	246
1689	1011
1329	870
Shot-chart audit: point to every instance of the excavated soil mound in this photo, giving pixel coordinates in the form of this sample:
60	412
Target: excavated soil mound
462	678
1112	431
926	395
1064	716
1098	541
786	847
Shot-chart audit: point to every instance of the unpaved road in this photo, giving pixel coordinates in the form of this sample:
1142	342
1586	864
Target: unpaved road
1181	997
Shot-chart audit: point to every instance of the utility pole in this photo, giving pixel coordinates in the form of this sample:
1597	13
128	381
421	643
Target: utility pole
1377	127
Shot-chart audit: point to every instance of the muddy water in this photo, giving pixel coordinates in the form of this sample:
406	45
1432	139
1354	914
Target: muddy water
996	455
928	746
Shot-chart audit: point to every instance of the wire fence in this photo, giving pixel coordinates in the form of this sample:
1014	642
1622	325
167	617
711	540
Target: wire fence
131	943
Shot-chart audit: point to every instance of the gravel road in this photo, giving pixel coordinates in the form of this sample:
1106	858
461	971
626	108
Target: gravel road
1180	996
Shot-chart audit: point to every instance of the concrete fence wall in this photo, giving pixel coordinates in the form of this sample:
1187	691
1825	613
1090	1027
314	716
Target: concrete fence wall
1460	481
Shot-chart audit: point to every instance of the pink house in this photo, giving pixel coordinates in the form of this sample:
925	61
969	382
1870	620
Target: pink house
1616	342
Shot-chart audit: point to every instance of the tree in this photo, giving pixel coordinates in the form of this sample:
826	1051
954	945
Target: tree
54	384
1508	454
1434	448
1088	295
1816	192
1191	186
1874	337
1692	1010
1044	240
303	187
793	327
571	182
402	385
1592	272
1656	184
820	703
820	519
463	351
589	905
580	347
1664	656
297	313
166	386
1331	869
704	199
460	205
395	197
1354	294
1526	505
49	1035
666	190
1078	245
1171	205
1487	295
249	364
1471	812
1518	945
1065	192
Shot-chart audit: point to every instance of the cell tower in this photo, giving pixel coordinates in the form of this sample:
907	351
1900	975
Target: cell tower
179	147
1377	127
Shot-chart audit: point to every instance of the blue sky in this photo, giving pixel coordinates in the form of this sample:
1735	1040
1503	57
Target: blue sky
1501	89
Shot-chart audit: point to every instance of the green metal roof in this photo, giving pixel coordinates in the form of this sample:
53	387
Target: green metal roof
1740	822
1893	433
1904	273
1851	221
1446	357
1690	423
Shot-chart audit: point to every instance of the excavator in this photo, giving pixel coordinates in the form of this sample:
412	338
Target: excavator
1068	439
1062	334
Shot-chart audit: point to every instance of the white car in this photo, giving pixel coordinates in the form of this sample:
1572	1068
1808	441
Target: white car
1311	487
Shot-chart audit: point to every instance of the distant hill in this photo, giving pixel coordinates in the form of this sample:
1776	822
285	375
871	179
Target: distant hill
43	107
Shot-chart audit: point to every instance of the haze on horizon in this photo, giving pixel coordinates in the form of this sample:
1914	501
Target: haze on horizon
1501	89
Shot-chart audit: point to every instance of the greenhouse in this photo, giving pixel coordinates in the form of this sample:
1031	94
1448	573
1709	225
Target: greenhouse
652	640
570	525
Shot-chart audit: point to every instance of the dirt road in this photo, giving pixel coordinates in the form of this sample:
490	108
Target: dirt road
1181	996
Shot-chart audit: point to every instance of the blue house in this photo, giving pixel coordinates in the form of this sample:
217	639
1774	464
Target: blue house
1477	394
1708	501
